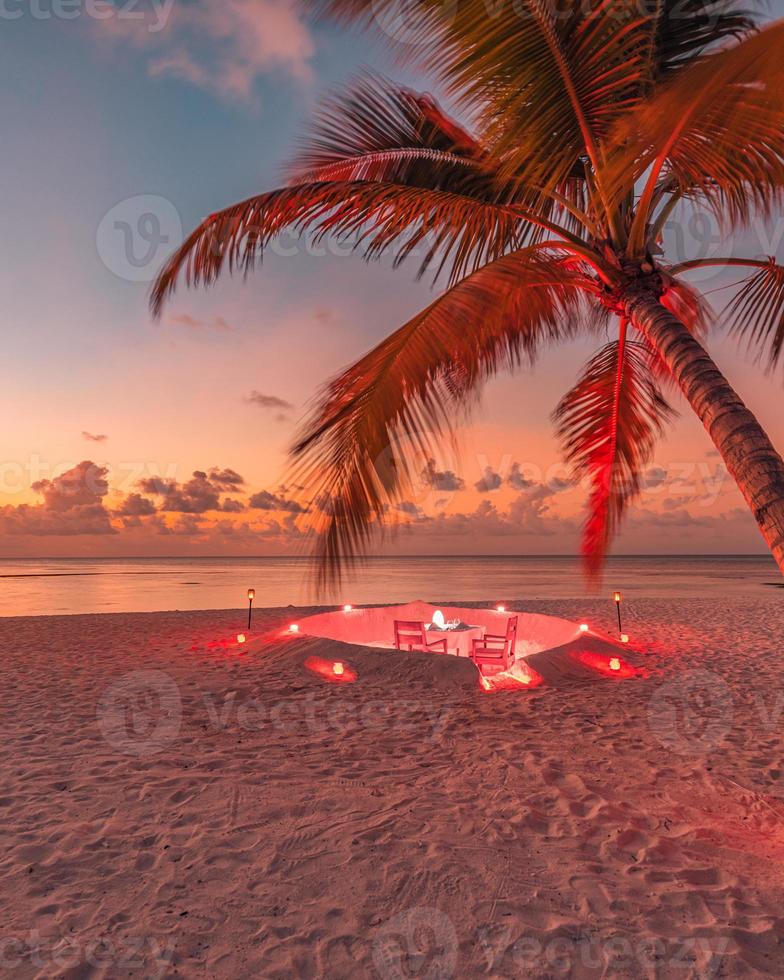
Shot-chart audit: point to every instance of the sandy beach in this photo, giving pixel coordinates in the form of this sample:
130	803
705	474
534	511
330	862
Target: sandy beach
172	806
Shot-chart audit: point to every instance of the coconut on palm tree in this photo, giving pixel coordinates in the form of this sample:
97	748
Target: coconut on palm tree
593	121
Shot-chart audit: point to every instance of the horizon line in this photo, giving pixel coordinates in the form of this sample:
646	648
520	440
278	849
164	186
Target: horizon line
728	554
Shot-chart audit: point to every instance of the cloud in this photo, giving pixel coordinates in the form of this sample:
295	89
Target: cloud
135	505
72	504
490	481
271	402
653	477
227	478
264	500
224	47
199	494
84	484
186	525
529	516
89	437
157	485
230	506
531	513
192	323
441	479
517	480
410	509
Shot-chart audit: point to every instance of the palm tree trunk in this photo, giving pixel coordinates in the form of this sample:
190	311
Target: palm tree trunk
745	448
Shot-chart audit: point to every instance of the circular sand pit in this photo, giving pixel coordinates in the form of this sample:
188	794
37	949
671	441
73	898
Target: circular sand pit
547	649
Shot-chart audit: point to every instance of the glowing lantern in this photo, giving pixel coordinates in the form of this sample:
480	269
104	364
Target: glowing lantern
347	608
615	664
251	597
624	637
240	638
583	627
438	619
617	597
293	628
500	608
338	669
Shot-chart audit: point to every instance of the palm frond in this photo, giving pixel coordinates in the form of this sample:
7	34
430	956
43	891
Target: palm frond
372	118
377	130
378	217
608	424
757	312
550	76
376	423
714	132
682	30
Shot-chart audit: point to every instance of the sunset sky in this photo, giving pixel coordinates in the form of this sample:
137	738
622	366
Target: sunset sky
108	119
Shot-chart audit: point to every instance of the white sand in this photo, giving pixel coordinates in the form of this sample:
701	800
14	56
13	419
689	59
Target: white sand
255	821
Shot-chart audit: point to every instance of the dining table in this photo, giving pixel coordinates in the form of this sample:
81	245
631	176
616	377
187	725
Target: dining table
459	639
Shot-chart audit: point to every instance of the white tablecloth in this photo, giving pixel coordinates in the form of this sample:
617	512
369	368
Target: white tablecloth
458	642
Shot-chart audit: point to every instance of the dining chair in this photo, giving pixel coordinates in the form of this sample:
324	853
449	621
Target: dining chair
496	650
411	635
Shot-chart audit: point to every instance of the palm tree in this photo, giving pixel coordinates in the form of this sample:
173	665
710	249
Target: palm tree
594	122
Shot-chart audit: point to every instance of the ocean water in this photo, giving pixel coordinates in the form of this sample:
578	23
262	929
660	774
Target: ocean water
34	587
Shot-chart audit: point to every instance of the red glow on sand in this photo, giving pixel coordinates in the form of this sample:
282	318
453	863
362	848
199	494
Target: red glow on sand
332	671
517	679
609	666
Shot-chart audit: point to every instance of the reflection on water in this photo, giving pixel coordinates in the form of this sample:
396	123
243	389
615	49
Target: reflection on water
52	586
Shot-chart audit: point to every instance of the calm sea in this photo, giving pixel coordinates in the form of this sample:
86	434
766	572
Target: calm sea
31	587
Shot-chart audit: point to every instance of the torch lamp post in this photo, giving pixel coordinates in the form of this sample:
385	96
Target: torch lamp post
618	597
251	597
